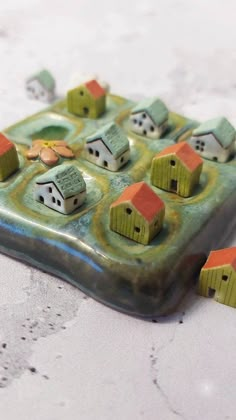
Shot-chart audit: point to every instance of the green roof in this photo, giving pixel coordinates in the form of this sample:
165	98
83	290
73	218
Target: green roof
45	79
220	127
113	137
67	178
155	108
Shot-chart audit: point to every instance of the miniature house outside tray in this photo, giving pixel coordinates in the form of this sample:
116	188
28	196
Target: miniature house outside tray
144	280
41	86
218	276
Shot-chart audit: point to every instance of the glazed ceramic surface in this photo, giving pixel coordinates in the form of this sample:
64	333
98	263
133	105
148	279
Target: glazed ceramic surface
144	281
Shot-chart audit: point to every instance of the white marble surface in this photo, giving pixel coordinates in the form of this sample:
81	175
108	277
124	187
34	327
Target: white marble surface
64	356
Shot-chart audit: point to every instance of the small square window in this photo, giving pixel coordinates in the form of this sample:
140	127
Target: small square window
224	277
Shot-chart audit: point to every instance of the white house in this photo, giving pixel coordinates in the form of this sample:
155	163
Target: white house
108	147
214	139
62	188
41	86
149	118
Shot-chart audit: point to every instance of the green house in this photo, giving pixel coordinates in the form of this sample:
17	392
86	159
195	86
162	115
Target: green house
218	276
177	169
9	162
149	118
87	100
138	213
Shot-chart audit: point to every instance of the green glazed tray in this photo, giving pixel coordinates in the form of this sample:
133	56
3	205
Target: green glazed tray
144	281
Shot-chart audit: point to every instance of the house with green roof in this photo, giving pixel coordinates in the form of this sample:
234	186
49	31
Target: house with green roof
41	86
149	118
62	188
108	147
214	139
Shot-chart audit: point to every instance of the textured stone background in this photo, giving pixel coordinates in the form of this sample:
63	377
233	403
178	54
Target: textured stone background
62	355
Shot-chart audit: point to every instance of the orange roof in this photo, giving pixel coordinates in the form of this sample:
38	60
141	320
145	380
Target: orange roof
143	198
5	144
221	257
185	153
95	89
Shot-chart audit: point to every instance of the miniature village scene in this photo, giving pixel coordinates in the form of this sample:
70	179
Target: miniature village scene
120	198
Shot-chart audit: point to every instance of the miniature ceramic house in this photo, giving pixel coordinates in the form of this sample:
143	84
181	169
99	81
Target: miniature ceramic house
214	139
218	276
138	213
108	147
149	118
9	162
78	78
177	169
62	188
41	86
87	100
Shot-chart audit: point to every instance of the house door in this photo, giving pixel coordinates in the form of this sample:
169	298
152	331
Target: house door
173	185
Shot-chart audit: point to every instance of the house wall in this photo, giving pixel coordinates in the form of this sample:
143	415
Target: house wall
105	156
72	203
9	163
157	224
225	290
52	199
142	124
35	90
208	147
126	224
162	172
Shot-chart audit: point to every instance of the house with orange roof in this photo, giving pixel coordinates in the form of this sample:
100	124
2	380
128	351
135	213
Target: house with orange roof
87	100
138	213
218	276
177	169
9	162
